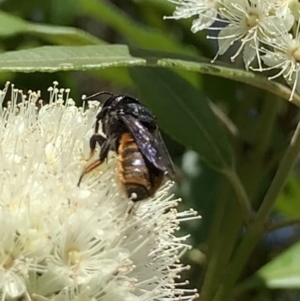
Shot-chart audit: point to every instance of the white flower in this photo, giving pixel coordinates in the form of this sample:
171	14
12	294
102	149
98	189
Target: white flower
286	6
283	53
248	22
206	12
63	242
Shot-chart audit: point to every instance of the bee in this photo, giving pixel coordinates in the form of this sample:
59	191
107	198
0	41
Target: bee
132	133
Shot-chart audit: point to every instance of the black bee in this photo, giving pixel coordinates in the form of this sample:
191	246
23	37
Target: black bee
131	131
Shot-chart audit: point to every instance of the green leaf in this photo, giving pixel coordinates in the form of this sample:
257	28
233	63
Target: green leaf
63	35
11	25
288	201
57	58
184	113
283	271
134	32
118	76
63	58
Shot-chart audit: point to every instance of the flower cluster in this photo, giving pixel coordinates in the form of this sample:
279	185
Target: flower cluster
267	31
62	242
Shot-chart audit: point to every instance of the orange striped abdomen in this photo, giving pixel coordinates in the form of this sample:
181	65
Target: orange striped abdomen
139	178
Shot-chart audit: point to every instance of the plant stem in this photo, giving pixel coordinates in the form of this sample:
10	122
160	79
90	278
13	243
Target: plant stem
242	196
267	116
256	229
223	195
222	248
280	178
224	235
255	163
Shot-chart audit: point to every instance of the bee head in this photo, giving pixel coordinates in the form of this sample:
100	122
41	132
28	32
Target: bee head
113	102
119	102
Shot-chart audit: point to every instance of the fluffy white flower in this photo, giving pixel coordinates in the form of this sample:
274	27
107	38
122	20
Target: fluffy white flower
248	22
283	53
63	242
283	7
206	12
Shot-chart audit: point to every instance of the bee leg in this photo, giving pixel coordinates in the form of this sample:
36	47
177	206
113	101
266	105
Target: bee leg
130	209
96	138
133	208
103	154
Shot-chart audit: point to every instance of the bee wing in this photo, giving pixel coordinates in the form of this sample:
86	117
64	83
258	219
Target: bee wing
150	144
164	154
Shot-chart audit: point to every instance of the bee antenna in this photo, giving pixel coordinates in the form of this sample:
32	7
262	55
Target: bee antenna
98	94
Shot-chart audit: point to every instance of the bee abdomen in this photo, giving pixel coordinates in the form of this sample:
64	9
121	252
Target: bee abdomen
132	170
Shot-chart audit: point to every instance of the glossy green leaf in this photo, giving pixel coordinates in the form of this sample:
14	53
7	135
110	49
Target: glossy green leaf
57	58
283	271
11	25
63	58
184	113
